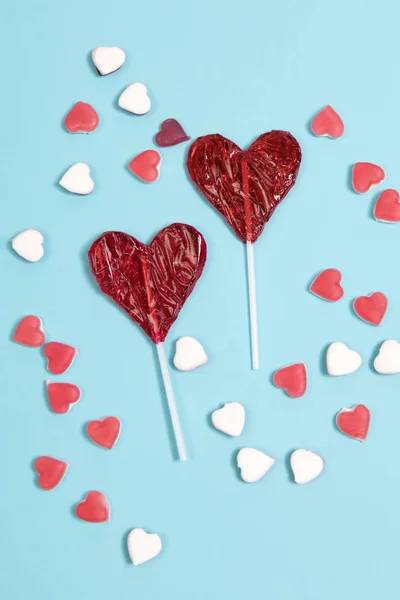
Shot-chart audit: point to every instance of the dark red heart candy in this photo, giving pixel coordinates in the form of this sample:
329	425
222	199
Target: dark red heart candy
245	186
151	283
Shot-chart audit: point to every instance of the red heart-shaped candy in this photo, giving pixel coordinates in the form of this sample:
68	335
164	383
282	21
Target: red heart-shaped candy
104	432
50	471
29	332
59	357
354	422
82	118
62	396
366	176
292	379
146	166
171	133
94	508
327	123
245	186
387	207
327	285
151	283
371	308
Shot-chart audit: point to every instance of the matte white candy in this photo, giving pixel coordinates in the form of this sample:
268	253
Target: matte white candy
229	419
108	59
388	360
28	244
340	360
189	354
77	179
253	464
135	99
306	465
143	546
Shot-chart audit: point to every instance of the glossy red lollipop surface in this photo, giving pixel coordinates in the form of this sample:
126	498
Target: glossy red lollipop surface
151	283
245	186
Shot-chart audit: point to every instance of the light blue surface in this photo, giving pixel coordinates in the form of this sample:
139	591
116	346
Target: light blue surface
238	69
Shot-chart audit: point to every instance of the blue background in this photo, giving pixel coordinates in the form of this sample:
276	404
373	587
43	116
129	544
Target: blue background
238	69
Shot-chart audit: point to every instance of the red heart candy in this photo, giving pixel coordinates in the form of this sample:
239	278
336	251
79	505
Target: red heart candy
151	283
62	396
146	166
104	432
387	207
366	176
327	123
292	379
245	186
354	422
327	285
29	332
371	308
59	357
50	471
94	508
82	118
171	133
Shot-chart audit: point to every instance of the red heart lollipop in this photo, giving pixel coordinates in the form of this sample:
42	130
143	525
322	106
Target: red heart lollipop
151	283
245	186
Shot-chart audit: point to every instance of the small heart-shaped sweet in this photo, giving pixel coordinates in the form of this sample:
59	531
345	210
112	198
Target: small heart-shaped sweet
387	207
388	360
77	180
292	379
327	123
134	99
245	186
82	118
366	176
354	422
189	354
108	59
171	133
28	244
29	332
229	419
340	360
94	508
62	396
151	283
143	546
50	471
371	308
306	465
253	464
104	432
327	285
59	357
146	166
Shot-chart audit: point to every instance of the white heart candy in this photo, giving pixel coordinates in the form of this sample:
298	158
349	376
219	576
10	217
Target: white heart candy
143	546
388	360
108	59
229	419
306	465
28	244
189	354
340	360
135	99
253	464
77	179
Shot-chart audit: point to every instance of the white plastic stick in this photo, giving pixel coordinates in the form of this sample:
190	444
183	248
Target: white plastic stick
171	402
253	305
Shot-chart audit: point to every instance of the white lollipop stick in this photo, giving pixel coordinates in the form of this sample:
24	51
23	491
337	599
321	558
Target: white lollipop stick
171	402
253	305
